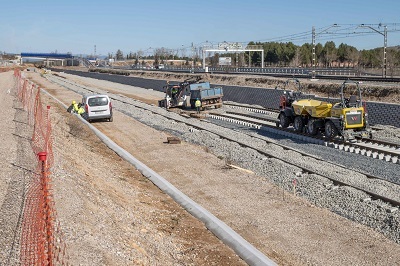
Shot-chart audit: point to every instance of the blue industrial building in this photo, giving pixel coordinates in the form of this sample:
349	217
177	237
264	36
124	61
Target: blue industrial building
47	55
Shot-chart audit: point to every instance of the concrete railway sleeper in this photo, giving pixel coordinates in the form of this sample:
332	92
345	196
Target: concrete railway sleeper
367	189
377	149
194	123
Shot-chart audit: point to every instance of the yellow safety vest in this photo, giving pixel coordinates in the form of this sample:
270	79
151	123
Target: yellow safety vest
198	103
81	110
76	107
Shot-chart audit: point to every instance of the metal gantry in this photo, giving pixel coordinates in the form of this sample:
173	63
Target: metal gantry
236	48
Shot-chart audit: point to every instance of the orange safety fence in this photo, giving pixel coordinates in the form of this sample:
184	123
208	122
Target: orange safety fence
5	69
41	238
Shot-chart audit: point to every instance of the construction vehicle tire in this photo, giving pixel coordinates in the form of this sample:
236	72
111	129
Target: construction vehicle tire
284	120
298	124
330	130
311	127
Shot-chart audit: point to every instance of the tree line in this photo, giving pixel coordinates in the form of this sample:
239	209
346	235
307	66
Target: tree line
281	54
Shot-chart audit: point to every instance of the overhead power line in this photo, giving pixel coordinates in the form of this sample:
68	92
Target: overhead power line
342	31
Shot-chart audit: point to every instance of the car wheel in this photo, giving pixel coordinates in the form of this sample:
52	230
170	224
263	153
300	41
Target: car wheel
110	119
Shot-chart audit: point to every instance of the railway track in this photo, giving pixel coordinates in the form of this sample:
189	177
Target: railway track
306	73
213	127
376	149
264	110
254	109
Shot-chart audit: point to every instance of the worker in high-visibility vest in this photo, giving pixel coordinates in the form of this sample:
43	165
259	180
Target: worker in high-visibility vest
174	92
197	104
76	108
81	110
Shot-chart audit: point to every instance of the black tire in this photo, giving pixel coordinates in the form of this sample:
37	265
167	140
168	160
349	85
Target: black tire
284	120
110	119
312	129
298	124
330	130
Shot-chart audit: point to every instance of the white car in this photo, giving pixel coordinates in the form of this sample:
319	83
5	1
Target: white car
97	107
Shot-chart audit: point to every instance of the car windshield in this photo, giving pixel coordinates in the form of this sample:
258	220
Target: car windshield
98	101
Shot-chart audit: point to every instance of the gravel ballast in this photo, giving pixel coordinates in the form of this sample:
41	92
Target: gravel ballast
342	200
321	192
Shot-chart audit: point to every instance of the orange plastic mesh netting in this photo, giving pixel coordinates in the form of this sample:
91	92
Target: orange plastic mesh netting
41	237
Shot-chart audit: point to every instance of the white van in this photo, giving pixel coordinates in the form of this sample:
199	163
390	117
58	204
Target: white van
97	107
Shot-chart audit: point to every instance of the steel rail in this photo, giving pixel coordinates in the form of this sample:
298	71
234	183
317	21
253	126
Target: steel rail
267	110
266	154
306	170
382	149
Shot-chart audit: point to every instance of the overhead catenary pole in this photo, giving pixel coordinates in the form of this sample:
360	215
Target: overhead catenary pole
313	50
203	53
384	67
314	35
192	71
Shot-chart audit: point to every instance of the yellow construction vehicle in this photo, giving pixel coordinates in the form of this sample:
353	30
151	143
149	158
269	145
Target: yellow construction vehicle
347	118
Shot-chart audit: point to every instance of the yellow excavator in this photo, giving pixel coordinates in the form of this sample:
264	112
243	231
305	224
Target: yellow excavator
347	118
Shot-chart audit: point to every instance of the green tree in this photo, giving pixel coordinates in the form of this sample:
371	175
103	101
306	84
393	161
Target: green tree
289	52
119	55
370	58
306	54
343	52
271	53
319	54
329	53
131	56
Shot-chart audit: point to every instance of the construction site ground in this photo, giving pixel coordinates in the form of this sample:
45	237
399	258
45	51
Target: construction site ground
111	215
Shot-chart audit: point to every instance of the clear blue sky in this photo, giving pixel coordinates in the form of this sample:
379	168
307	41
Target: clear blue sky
129	25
